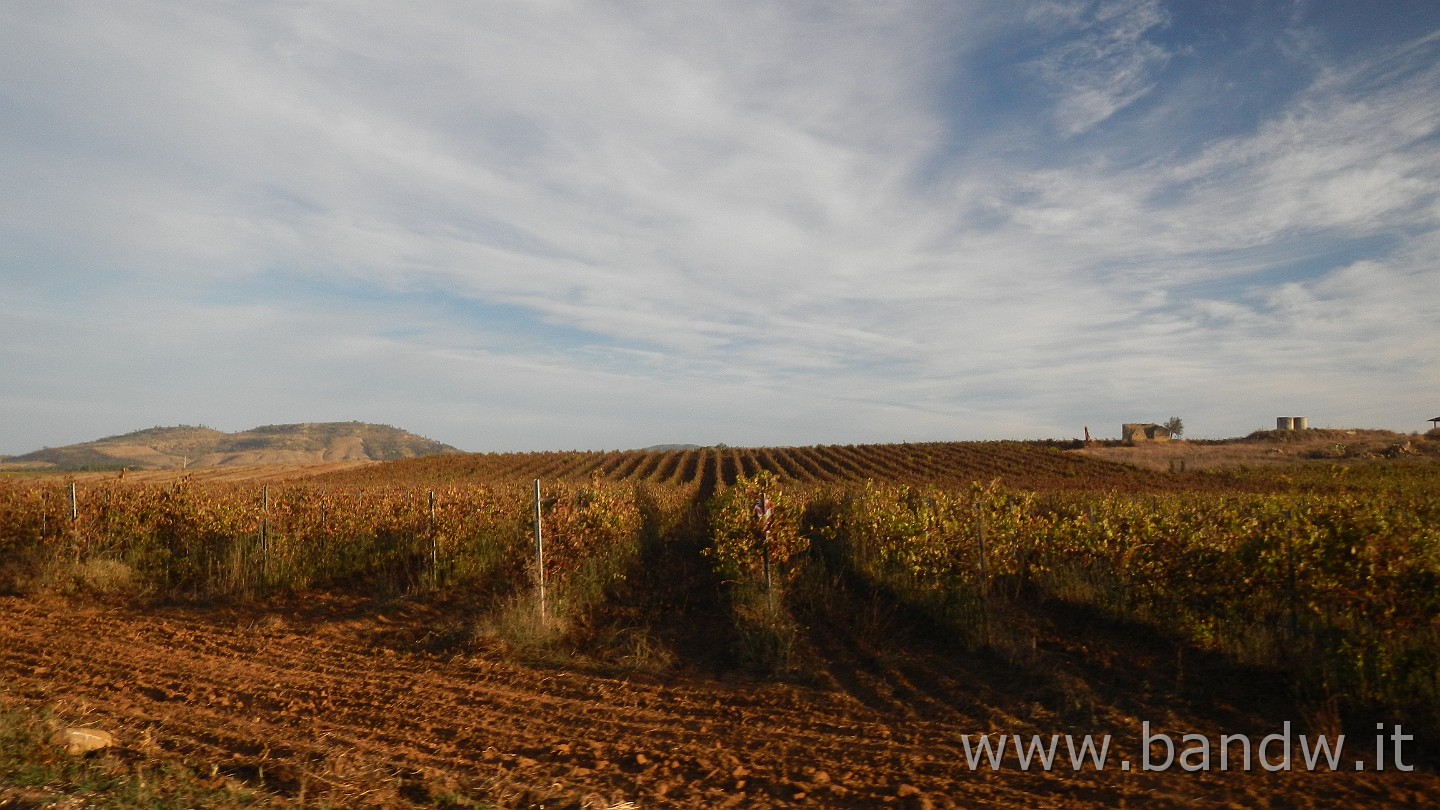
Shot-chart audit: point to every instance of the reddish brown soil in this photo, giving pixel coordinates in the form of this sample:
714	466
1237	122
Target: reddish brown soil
358	703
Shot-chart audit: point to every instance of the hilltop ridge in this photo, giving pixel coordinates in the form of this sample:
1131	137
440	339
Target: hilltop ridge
195	446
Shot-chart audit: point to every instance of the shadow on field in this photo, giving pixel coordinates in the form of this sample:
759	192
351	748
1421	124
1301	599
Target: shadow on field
672	612
1053	667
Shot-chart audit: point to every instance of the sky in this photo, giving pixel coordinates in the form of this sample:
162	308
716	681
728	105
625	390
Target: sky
546	224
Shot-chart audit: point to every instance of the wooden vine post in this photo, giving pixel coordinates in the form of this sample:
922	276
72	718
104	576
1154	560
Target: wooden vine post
984	574
764	515
1291	599
74	521
434	550
264	531
539	554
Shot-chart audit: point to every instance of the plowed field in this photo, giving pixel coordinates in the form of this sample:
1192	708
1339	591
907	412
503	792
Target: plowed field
360	703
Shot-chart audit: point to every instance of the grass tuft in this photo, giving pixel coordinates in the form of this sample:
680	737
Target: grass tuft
34	772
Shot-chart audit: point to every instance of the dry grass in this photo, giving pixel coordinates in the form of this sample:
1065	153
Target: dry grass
520	627
92	576
1264	449
767	633
1182	455
34	772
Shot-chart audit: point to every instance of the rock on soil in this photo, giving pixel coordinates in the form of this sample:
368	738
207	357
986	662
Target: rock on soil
81	741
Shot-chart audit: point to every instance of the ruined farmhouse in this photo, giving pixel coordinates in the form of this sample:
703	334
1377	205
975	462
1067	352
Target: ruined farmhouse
1138	433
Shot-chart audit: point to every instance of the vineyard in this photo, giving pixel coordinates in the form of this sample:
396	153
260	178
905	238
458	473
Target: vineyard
870	574
1018	464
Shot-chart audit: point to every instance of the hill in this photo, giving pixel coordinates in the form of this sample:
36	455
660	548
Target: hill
191	447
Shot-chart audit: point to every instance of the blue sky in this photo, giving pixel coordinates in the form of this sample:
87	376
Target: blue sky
553	225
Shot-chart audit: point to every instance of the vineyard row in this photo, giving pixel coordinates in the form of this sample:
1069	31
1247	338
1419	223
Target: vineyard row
1018	464
1342	584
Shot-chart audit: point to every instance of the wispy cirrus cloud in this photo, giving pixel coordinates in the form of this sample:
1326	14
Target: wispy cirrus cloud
1103	61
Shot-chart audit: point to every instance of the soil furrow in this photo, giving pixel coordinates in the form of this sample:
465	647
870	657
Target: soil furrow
339	697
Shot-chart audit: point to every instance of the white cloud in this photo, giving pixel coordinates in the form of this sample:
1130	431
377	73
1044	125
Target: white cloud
1105	63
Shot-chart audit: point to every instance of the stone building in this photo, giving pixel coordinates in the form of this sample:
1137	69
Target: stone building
1136	433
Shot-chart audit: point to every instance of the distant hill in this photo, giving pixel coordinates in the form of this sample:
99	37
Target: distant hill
188	446
666	447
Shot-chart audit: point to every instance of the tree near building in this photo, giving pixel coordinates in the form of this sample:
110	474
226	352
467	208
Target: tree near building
1175	426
